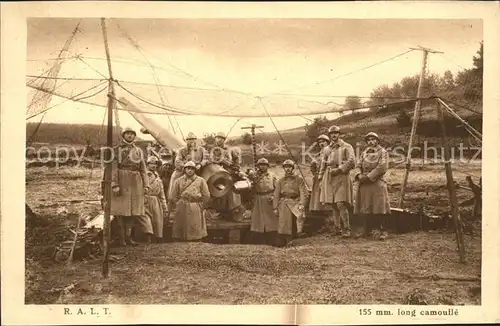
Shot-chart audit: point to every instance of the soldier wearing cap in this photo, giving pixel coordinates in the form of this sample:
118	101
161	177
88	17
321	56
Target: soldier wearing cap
229	158
154	149
129	182
338	159
372	200
192	152
314	202
166	169
288	204
189	197
264	220
155	201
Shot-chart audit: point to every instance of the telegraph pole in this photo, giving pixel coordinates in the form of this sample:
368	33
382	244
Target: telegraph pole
108	157
425	52
254	146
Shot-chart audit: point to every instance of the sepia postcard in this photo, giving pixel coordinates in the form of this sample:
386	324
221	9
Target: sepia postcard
250	163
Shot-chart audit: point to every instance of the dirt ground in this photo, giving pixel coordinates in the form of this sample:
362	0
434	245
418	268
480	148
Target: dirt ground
415	268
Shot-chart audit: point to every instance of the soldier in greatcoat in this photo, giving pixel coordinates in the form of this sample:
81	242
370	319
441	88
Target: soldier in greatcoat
264	223
166	169
129	182
189	196
230	160
338	160
372	200
314	202
155	201
289	201
191	152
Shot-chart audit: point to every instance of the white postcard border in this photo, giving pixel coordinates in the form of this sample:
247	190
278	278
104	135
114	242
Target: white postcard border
13	102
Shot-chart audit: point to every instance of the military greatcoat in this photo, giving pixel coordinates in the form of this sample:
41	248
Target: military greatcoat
189	195
263	217
197	154
155	202
337	188
372	196
129	173
290	191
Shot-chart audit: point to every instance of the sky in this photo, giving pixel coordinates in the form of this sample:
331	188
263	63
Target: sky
260	57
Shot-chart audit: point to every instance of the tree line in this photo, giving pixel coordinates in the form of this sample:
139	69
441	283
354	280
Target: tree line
76	134
465	88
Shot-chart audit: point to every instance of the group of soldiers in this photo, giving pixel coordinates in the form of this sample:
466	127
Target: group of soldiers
333	190
148	192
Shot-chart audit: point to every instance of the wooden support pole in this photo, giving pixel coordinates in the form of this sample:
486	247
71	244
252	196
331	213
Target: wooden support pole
451	186
108	157
413	129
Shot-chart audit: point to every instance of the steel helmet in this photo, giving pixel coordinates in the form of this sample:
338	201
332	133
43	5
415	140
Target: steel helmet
220	135
323	137
262	160
189	164
372	134
128	129
191	136
289	163
333	129
164	152
152	159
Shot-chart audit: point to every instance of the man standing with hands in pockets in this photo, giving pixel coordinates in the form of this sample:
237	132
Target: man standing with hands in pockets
372	201
337	161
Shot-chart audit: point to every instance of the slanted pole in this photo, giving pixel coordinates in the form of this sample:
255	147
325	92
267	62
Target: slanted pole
425	53
108	158
451	186
413	130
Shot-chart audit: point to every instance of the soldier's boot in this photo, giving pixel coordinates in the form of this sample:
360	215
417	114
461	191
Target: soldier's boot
384	233
343	219
128	234
121	231
336	218
368	225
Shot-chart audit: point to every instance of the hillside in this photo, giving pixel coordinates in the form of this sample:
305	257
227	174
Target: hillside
74	134
385	123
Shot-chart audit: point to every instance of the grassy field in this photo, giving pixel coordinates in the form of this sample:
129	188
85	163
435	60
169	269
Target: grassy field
407	268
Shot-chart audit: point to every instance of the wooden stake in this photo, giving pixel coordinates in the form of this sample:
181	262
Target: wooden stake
75	239
108	156
413	129
451	186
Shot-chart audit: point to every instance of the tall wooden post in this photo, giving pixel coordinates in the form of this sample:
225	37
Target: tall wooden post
450	184
108	157
425	52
